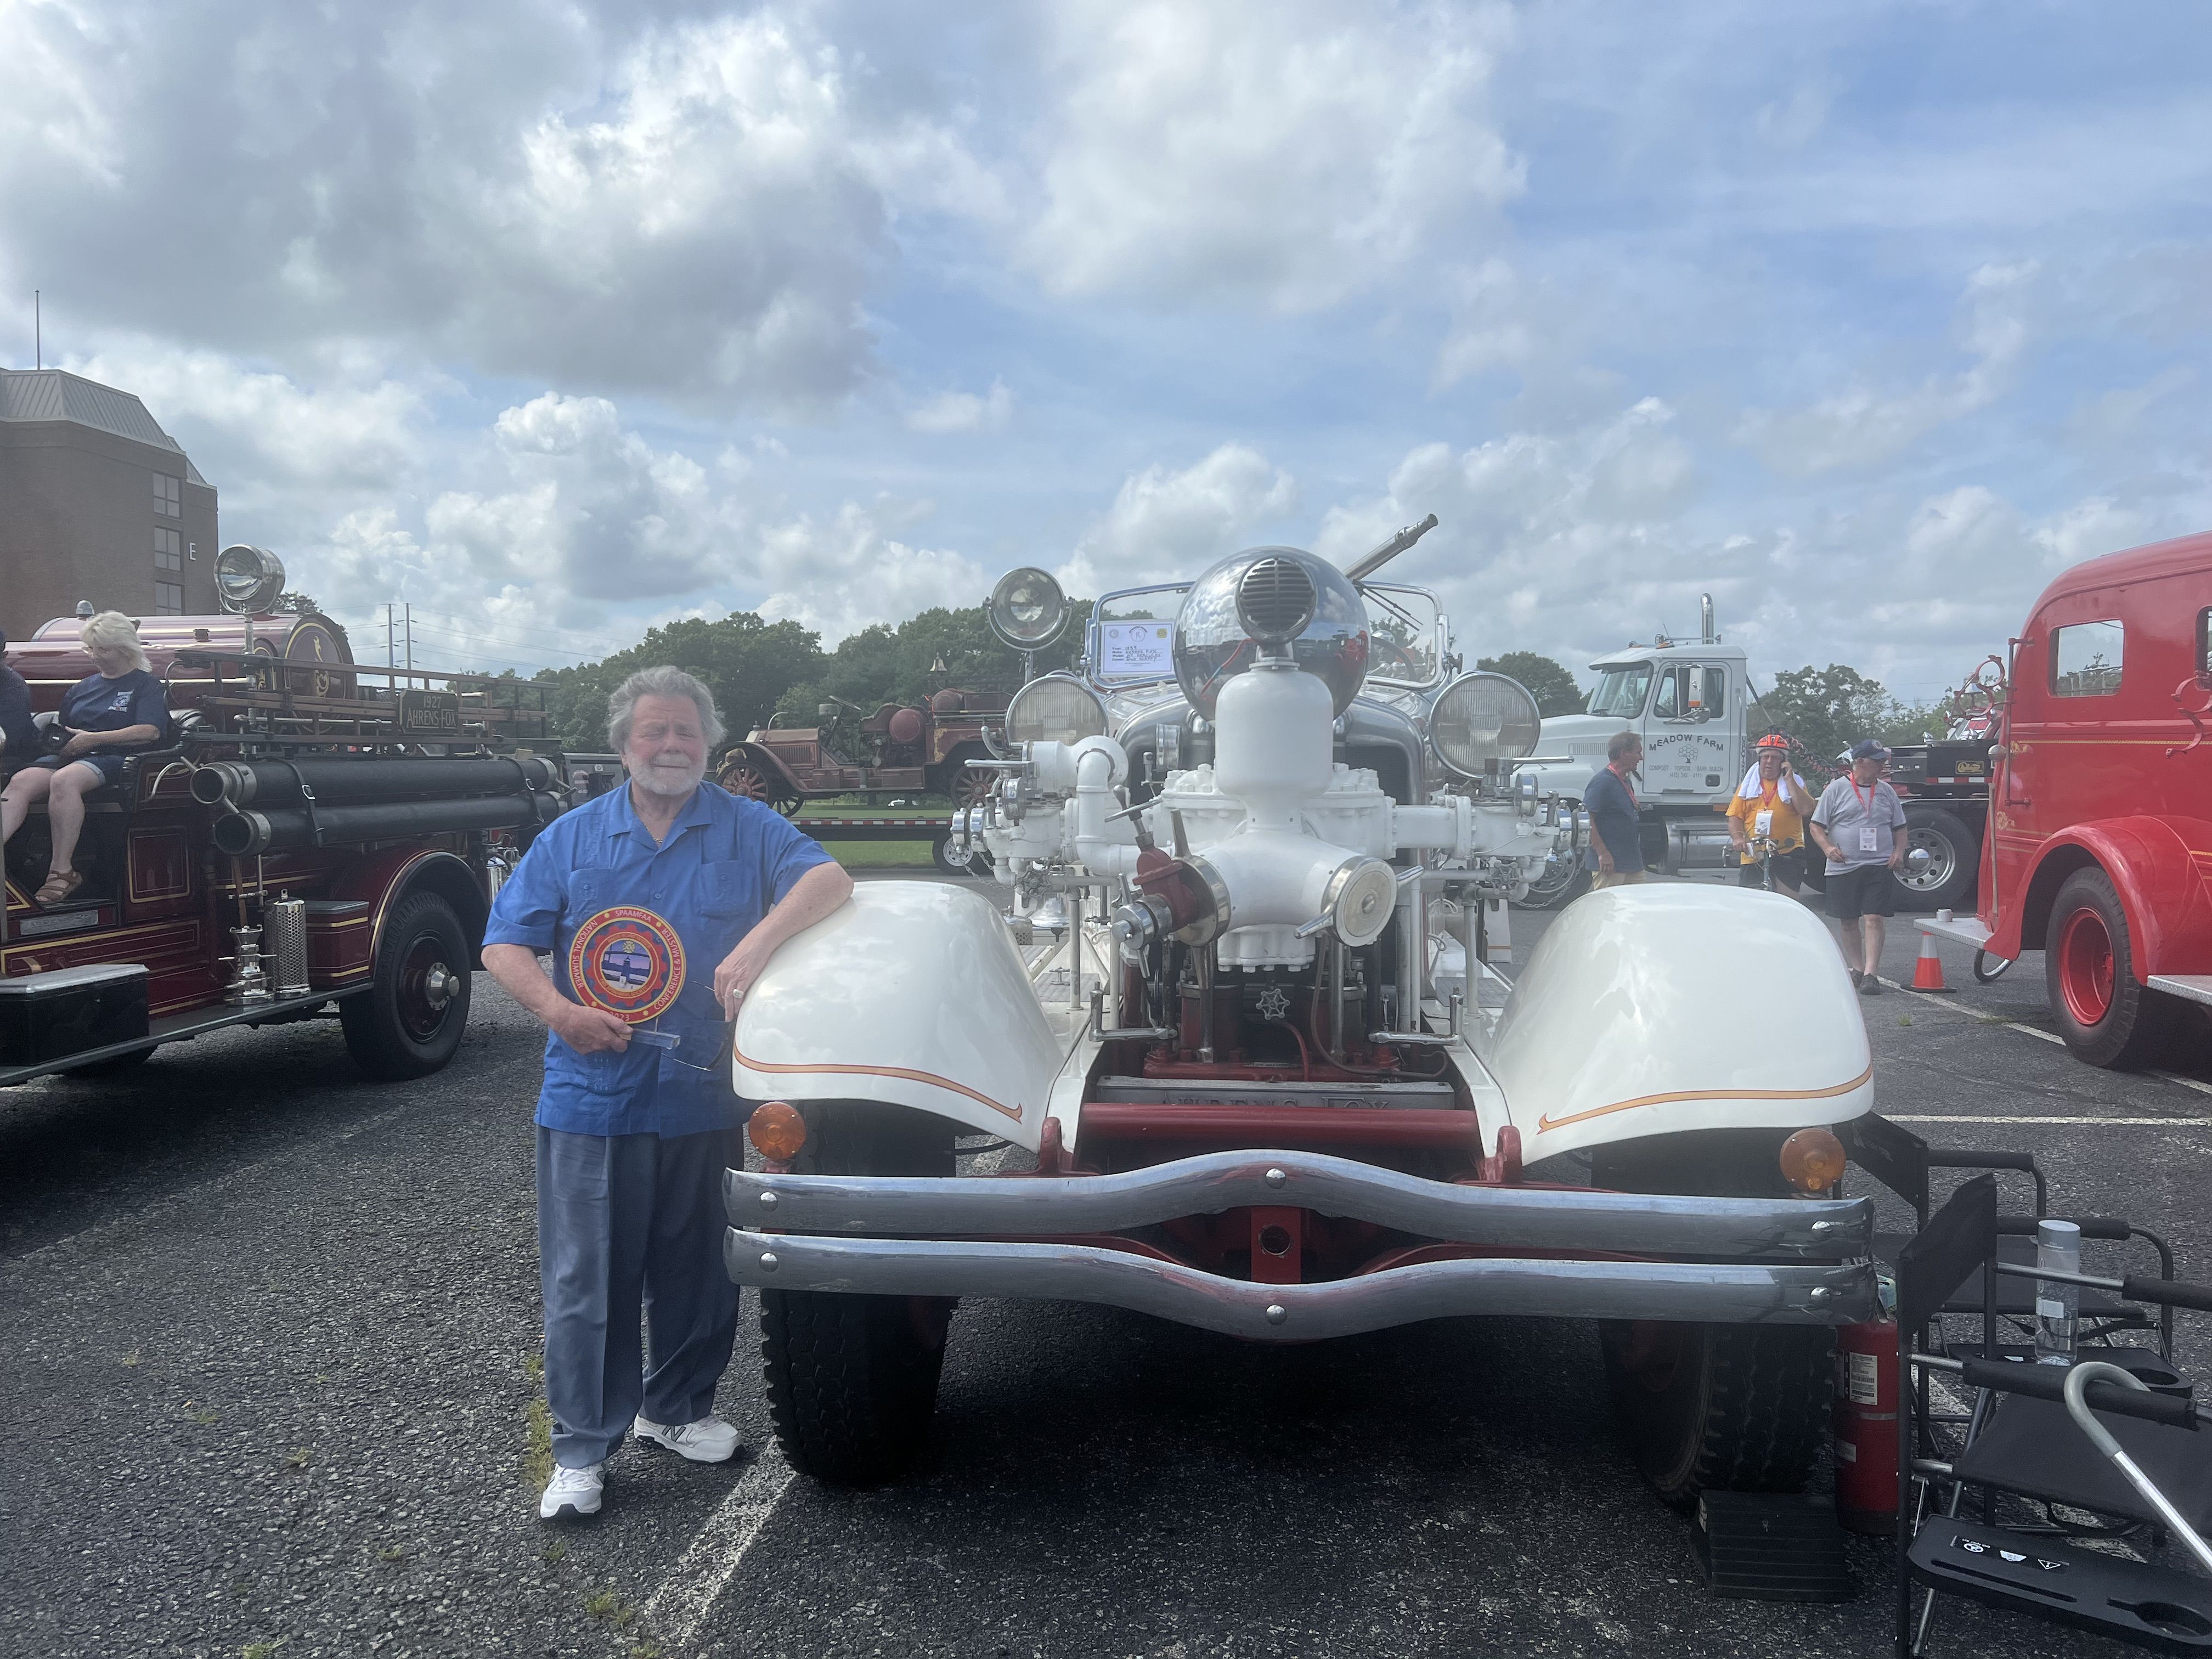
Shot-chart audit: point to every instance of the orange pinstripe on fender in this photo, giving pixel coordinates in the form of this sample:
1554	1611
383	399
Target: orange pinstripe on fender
1545	1124
930	1078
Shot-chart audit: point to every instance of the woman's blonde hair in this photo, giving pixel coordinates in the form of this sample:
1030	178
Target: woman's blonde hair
110	630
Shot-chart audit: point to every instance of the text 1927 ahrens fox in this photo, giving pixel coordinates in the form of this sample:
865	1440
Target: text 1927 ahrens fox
1273	1085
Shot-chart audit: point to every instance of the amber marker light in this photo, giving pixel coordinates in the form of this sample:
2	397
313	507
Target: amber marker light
777	1132
1812	1160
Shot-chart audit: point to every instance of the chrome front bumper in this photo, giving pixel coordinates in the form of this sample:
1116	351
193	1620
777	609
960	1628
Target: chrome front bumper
1795	1262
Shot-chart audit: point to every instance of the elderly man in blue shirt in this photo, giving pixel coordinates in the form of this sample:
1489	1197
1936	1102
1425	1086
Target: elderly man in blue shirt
660	904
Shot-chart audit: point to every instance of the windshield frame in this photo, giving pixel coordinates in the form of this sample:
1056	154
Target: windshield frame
1605	670
1089	667
1440	631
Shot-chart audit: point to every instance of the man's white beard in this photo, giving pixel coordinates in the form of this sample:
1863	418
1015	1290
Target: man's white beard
657	778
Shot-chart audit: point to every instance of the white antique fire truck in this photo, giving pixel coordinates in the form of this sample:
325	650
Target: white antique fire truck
1241	1007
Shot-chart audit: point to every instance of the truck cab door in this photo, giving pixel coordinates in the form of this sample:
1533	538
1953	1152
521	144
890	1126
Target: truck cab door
1685	750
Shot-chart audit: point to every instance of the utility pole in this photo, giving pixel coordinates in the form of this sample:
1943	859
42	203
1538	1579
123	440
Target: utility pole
389	659
411	639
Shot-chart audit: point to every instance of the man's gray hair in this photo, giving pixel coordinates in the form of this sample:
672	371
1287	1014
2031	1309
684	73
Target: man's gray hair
110	630
1621	743
665	681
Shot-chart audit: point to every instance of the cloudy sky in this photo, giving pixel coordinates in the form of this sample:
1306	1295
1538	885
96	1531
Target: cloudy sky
557	320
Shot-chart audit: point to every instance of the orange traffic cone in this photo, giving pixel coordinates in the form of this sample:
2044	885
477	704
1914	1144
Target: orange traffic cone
1928	970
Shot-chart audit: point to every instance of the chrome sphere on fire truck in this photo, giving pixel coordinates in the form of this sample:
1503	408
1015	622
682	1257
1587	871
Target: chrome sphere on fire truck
1219	631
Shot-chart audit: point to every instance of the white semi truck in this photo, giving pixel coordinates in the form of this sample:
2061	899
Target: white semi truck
1691	702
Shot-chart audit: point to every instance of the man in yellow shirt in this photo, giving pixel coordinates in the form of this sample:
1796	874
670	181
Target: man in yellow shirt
1772	805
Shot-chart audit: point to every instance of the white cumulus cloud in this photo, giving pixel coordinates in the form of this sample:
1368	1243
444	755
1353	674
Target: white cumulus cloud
1290	154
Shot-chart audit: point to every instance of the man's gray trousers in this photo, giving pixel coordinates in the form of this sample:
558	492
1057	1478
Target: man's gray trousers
625	1223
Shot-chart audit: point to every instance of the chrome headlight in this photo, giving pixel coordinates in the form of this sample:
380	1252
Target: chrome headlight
247	578
1027	609
1056	708
1481	718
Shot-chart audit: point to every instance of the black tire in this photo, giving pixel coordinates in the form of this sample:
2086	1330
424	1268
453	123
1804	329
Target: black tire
399	1028
1556	890
1714	1407
115	1067
852	1380
2107	1017
1954	860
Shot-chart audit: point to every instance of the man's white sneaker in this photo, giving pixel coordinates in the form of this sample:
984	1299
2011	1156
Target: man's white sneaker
710	1440
572	1493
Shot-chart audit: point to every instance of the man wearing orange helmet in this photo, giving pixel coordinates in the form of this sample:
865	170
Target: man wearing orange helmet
1773	803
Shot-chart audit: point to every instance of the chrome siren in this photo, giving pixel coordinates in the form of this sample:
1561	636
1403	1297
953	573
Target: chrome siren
1292	598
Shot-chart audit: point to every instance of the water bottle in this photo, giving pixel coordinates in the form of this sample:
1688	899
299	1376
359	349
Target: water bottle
2058	1249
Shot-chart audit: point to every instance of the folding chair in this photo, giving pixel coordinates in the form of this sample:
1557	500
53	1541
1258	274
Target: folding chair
2035	1435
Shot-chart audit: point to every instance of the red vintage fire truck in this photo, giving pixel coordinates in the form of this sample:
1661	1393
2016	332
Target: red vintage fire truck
2098	847
908	749
316	838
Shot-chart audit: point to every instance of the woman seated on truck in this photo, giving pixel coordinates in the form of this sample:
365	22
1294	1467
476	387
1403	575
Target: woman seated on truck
103	716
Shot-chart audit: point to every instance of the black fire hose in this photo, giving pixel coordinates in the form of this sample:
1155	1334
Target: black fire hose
332	781
242	835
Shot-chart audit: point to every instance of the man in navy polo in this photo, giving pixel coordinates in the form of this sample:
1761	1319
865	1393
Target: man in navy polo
659	903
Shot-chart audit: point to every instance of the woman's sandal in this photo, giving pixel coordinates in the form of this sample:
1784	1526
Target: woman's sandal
60	884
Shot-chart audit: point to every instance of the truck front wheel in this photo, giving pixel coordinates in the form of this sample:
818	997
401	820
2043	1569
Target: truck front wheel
1721	1407
852	1380
409	1022
1954	866
2106	1016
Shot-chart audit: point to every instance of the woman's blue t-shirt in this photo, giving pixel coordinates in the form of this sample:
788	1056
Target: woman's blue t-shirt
97	703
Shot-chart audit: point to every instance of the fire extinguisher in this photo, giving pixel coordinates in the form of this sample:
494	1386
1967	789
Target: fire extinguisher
1866	1424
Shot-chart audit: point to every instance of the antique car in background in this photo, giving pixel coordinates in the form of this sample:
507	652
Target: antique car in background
2098	847
315	838
1244	1011
916	749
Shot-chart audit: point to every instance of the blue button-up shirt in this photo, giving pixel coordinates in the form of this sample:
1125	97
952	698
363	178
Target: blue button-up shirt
724	865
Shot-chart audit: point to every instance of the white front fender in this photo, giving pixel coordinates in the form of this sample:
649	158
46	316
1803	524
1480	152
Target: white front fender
1656	1008
913	993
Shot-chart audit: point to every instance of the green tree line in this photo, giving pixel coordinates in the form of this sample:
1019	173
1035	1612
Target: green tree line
758	670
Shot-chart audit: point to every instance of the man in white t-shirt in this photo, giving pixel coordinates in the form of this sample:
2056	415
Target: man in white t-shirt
1856	825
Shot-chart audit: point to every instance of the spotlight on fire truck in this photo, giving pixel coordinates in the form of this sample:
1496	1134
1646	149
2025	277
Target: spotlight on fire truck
1056	708
247	580
1027	609
1482	718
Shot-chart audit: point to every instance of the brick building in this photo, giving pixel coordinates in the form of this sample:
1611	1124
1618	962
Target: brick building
96	502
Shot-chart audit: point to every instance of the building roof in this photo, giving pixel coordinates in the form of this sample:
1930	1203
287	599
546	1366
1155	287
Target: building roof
54	394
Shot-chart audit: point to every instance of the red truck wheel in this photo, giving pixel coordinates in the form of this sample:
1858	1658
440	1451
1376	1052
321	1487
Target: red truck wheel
2104	1013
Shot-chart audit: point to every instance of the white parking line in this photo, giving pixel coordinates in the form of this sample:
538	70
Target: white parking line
676	1608
2197	1084
2076	1122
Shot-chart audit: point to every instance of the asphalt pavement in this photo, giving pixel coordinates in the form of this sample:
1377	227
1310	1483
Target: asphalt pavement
268	1385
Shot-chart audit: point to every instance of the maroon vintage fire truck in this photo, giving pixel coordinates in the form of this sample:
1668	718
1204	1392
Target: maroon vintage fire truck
316	838
924	749
2099	850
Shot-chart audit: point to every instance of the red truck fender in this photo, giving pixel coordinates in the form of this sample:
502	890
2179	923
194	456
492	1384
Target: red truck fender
2158	867
383	878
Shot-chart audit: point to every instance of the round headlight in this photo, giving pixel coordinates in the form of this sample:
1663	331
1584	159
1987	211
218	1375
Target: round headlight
1057	708
1028	609
247	580
1482	718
